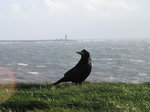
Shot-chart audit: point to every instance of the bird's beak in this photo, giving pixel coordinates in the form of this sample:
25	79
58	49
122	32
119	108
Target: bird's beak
79	53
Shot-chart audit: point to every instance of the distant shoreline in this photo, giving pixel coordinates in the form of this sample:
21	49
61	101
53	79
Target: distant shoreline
36	40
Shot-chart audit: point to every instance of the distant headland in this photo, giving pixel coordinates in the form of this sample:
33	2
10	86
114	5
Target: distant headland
44	40
34	40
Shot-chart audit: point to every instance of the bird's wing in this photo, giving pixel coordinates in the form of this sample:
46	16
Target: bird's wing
76	71
71	72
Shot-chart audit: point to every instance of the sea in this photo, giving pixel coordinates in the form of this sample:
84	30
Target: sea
48	61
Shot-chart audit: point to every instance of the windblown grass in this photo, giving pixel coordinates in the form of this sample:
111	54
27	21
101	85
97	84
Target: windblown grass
89	97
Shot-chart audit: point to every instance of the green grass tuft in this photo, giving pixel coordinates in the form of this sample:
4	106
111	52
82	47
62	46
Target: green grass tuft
88	97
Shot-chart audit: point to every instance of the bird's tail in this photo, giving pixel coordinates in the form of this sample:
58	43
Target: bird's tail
59	81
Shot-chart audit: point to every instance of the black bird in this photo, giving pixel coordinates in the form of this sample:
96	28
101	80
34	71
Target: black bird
80	72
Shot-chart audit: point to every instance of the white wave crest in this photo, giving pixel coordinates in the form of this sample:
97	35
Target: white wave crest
34	73
22	64
41	66
142	74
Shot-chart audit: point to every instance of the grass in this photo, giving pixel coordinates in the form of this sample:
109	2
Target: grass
89	97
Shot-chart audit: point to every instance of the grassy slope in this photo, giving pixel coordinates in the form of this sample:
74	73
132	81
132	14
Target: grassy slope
90	97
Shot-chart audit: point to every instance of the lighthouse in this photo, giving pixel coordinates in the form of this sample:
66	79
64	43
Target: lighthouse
66	38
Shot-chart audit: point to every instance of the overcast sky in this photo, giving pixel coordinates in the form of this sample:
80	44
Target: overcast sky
79	19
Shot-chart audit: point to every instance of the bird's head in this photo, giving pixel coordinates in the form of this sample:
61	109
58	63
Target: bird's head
85	56
84	53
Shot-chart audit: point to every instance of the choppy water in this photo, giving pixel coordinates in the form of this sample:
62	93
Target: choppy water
123	61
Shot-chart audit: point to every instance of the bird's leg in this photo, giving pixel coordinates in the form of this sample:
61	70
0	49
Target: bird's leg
79	83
